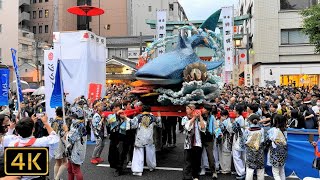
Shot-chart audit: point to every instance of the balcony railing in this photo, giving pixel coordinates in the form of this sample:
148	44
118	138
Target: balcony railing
24	16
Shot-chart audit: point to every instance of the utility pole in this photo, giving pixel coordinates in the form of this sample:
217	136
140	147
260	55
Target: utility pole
99	19
56	16
247	46
37	63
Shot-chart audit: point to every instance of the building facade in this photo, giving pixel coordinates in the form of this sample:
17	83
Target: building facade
122	57
121	17
42	18
280	52
9	17
141	10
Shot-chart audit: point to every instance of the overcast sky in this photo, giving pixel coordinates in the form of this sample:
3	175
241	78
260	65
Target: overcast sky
202	9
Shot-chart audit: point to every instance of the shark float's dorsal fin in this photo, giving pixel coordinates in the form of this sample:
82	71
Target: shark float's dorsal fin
181	42
212	21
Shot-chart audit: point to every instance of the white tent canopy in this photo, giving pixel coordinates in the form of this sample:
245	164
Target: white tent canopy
39	91
13	85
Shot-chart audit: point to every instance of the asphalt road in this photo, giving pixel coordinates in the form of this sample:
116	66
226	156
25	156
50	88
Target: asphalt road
167	159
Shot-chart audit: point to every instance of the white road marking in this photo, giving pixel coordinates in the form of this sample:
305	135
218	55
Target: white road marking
145	167
175	169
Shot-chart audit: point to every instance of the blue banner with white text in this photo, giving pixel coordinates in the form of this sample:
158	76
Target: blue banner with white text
16	69
4	89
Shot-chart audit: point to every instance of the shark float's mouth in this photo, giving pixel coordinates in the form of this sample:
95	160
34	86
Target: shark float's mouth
153	79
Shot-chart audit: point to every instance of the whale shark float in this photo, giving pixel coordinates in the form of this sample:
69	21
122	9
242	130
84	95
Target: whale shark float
167	69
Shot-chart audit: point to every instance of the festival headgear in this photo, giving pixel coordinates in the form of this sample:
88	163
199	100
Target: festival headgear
232	115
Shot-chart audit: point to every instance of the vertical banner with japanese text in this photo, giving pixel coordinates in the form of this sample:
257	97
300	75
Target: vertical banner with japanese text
248	74
4	89
161	28
228	31
50	67
227	75
16	70
94	92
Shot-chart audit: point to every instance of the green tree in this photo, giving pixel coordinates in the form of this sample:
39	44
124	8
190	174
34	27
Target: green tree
311	25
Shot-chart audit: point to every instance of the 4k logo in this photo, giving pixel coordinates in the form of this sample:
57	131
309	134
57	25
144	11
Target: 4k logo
21	161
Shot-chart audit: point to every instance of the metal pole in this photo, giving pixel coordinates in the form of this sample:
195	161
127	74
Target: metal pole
56	16
247	46
140	43
99	19
62	94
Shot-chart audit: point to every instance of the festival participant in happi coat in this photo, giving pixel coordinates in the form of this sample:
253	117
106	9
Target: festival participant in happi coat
193	127
238	146
144	123
254	140
278	150
119	144
208	137
59	126
76	144
225	147
25	129
100	132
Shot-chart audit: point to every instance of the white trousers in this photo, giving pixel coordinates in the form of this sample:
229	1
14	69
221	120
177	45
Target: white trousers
278	173
92	138
216	155
225	160
204	159
238	161
250	172
138	158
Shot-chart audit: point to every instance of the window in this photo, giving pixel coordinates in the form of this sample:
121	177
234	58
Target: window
24	47
40	29
150	8
46	13
293	36
34	1
40	14
46	29
171	7
34	30
34	14
296	4
0	28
